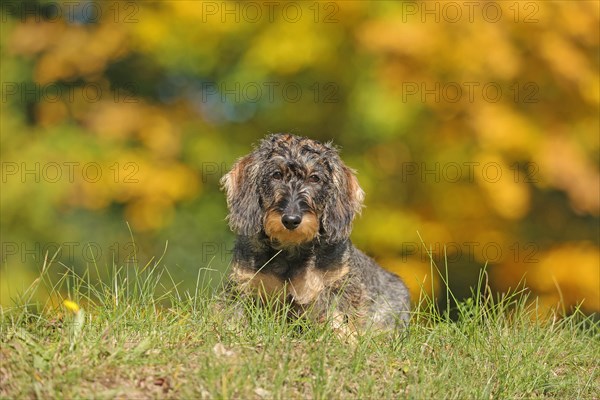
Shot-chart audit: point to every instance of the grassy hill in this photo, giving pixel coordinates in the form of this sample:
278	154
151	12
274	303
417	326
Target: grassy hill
134	336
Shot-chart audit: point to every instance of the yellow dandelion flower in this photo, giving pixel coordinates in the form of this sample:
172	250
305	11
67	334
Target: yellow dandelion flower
71	305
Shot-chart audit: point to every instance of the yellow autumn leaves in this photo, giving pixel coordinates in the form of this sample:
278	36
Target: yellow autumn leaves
474	123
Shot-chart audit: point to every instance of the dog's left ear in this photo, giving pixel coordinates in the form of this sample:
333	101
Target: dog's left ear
241	186
344	203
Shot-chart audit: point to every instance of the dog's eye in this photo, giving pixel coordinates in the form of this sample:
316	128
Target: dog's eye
277	175
314	178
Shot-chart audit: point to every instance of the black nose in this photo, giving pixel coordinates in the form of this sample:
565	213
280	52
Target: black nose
291	222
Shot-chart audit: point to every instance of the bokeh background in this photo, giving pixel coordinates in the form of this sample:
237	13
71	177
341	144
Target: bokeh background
473	126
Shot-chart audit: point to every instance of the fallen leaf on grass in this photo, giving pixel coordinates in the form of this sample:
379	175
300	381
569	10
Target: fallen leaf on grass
221	351
262	393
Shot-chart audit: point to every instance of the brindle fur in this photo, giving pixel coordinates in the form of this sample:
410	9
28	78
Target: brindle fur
313	265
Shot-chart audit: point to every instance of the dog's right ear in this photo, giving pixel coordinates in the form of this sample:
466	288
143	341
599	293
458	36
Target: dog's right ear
241	186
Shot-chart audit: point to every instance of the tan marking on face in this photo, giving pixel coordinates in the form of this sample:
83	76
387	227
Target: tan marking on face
305	232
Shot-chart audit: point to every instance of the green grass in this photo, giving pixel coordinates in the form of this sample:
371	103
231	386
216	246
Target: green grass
139	337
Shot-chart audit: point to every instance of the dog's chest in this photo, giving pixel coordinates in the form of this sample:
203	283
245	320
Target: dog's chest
300	282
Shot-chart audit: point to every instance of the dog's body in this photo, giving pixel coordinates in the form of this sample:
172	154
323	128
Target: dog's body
291	203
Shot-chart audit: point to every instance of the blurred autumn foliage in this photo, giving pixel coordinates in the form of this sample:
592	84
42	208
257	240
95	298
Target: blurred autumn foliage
472	124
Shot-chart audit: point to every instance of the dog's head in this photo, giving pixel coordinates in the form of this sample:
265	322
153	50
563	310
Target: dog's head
295	190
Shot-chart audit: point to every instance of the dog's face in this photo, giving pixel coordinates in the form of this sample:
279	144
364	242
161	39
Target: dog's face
293	189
